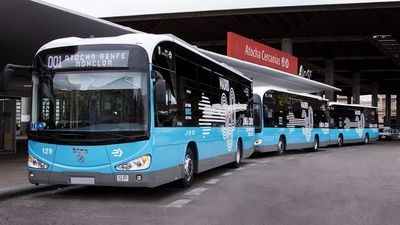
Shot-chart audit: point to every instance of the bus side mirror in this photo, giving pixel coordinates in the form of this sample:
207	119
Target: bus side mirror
5	76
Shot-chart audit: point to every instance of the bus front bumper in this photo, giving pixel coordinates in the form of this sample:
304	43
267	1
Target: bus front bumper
131	179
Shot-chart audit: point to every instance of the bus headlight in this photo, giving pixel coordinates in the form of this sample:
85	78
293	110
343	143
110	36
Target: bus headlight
140	163
258	141
35	163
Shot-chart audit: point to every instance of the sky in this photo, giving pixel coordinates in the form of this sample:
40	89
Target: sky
115	8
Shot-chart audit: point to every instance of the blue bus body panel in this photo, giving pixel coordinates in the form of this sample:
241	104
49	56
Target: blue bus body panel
295	137
353	135
211	143
167	149
96	159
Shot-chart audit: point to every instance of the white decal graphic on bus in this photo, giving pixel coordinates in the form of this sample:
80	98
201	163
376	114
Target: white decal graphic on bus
306	122
224	113
358	124
230	117
209	115
117	152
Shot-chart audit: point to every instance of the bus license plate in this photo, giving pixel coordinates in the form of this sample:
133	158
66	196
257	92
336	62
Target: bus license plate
81	180
122	178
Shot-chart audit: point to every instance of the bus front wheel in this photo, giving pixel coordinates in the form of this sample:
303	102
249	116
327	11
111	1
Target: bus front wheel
188	169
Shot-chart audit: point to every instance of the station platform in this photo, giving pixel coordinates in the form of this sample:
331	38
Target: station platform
13	173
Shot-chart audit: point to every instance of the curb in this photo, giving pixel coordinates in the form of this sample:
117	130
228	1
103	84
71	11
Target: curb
18	190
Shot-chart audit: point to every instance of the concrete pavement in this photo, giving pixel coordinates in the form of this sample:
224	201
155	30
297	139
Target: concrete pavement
13	175
356	184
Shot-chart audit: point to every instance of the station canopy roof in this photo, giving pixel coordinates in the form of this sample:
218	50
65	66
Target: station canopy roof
265	76
27	25
352	37
161	8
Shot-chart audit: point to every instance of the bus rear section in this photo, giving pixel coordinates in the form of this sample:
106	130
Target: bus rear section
352	123
286	120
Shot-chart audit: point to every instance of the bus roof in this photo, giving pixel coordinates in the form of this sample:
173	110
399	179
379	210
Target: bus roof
352	105
266	76
145	40
261	90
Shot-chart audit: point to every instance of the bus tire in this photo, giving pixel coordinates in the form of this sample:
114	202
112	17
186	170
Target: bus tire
188	169
238	156
366	139
316	144
281	145
340	140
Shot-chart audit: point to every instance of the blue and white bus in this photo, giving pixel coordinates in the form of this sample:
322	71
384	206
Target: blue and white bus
352	123
285	120
134	110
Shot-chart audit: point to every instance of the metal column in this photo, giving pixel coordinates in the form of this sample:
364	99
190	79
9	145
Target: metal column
356	88
329	78
388	108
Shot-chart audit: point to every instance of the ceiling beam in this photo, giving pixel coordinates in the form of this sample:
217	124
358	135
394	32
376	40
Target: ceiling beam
340	58
371	71
295	40
231	12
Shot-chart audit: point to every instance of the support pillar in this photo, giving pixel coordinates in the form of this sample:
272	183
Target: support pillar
10	105
349	99
287	45
25	114
374	95
388	108
329	78
356	88
398	111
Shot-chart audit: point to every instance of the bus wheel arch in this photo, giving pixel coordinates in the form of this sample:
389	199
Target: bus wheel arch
189	165
316	143
238	154
193	147
340	140
281	144
366	138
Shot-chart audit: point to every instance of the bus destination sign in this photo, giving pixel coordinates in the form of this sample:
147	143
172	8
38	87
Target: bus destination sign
88	59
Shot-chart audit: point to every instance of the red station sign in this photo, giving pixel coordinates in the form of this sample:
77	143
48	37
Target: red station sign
251	51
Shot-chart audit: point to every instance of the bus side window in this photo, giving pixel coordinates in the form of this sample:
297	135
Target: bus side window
164	56
186	73
205	86
164	62
166	113
242	94
268	115
257	117
279	107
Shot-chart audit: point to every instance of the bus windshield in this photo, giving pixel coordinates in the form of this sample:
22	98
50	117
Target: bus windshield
100	101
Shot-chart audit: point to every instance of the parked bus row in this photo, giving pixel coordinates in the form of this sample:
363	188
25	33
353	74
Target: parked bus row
145	110
285	120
